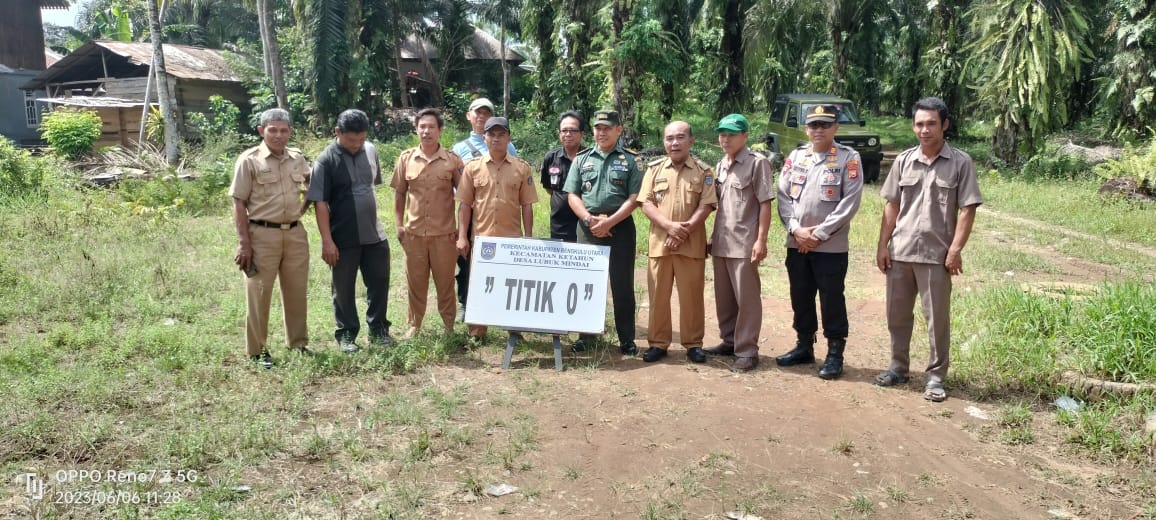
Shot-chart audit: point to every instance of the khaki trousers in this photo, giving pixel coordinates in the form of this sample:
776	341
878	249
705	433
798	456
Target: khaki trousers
738	301
423	256
282	254
933	285
690	275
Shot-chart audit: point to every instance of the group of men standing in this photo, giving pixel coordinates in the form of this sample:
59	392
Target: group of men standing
931	195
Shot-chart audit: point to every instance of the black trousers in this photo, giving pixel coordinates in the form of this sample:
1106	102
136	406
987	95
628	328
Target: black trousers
822	273
373	262
463	276
622	254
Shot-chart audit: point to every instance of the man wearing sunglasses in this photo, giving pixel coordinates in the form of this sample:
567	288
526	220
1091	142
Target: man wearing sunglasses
819	192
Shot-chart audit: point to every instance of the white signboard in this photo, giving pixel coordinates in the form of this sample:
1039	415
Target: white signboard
538	285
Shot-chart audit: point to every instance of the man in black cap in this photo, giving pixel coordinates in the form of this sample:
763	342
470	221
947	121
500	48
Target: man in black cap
603	186
819	192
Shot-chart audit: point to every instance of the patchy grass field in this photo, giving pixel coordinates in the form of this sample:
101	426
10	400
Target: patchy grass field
121	349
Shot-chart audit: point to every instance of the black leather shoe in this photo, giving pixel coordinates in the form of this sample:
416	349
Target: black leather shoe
263	360
629	349
720	350
653	354
696	355
578	346
832	367
797	356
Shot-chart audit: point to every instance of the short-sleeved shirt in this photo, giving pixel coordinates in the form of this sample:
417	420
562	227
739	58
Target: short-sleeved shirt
821	188
742	186
604	181
474	146
428	181
273	187
555	167
345	181
678	192
929	197
497	190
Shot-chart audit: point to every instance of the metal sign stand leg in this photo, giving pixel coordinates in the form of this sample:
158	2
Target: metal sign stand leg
557	352
513	342
510	344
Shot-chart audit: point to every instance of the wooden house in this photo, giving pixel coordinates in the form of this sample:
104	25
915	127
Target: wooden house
22	57
111	78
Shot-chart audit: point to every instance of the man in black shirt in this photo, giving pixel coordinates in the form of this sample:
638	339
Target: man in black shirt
563	221
352	238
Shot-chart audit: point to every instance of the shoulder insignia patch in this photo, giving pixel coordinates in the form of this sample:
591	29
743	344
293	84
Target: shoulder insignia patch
702	164
629	151
852	169
656	162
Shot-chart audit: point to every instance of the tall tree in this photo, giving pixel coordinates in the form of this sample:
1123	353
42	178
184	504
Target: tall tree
168	107
942	68
1028	55
1130	89
504	14
539	26
331	56
579	28
272	51
733	96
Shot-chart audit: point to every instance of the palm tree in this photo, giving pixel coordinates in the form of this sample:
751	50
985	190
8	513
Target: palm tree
504	14
272	51
168	108
1028	55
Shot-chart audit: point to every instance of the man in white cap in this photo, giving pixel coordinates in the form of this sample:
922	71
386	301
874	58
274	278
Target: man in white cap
470	148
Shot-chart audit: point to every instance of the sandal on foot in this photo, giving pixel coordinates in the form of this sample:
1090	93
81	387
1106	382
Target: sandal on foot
889	378
934	392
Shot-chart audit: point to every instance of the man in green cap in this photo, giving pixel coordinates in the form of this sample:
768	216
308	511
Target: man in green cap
745	187
603	186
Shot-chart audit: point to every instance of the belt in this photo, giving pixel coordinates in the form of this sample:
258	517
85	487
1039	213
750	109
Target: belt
265	223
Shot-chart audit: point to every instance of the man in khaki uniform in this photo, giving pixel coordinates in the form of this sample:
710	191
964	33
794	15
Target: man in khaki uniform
932	193
677	195
496	194
819	193
424	179
269	183
745	187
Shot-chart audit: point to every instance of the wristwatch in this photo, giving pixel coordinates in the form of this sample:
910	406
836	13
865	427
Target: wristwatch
587	219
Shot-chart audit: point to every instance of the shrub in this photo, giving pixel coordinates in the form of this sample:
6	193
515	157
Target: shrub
71	132
1052	163
21	175
1138	164
220	122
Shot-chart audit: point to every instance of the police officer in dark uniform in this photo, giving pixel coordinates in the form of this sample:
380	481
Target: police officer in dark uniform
603	186
555	167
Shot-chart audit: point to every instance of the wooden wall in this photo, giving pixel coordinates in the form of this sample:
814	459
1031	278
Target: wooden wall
121	126
22	35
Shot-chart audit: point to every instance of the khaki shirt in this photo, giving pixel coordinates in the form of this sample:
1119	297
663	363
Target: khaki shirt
497	190
428	182
821	189
272	187
678	193
742	186
929	197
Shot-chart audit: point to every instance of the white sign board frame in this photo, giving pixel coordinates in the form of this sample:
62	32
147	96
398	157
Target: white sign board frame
538	285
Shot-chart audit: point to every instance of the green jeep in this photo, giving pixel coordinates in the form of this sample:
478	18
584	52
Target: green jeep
787	129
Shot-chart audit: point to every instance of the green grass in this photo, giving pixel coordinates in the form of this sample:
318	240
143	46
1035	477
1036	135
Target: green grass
1073	205
122	347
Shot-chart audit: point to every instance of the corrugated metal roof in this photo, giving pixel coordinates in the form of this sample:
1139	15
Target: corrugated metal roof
482	46
131	60
54	4
93	102
181	61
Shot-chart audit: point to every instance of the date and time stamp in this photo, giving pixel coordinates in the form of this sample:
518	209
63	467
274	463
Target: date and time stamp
84	487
